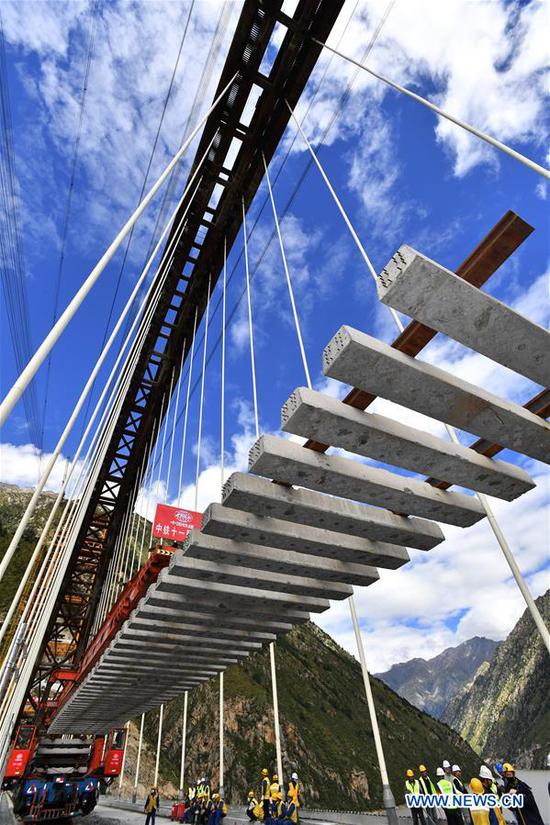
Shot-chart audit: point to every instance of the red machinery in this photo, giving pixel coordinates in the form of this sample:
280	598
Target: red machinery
128	600
114	752
178	811
106	756
21	751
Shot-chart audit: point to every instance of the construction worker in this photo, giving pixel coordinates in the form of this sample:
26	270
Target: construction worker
295	793
218	810
252	807
488	780
427	786
484	815
152	804
460	787
447	769
288	812
412	786
276	797
452	812
265	794
529	813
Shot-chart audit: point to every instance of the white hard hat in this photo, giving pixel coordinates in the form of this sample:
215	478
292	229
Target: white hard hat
295	775
485	773
446	764
440	772
455	768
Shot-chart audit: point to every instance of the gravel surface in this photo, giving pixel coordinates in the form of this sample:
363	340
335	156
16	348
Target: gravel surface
108	816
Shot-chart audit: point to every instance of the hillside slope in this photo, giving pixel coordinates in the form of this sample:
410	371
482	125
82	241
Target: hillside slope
324	721
430	684
13	502
506	714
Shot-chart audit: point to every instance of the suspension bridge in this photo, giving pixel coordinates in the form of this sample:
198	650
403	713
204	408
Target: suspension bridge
114	617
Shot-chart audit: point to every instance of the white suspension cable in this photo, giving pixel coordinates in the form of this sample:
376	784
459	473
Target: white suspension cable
222	411
175	419
161	461
130	534
250	330
183	741
499	535
186	416
287	275
152	475
257	425
338	203
203	376
41	353
138	758
535	167
135	521
275	692
159	743
221	736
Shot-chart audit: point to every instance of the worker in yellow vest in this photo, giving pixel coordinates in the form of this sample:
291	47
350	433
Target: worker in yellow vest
252	811
276	797
265	794
481	815
445	786
295	794
412	786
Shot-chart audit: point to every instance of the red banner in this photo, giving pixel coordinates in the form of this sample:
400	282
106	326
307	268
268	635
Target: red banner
174	523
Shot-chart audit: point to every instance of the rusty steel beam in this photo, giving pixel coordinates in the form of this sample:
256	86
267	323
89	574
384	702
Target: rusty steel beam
539	405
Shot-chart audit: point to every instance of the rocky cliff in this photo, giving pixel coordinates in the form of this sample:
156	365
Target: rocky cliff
505	713
430	684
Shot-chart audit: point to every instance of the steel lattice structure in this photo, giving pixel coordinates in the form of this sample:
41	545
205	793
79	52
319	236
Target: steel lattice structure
198	258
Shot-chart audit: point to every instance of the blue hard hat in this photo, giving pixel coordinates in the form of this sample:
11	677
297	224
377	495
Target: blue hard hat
498	766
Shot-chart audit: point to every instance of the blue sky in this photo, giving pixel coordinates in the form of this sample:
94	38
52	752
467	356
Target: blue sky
403	176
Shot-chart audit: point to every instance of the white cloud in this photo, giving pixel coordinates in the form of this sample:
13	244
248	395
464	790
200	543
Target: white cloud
21	464
129	77
486	60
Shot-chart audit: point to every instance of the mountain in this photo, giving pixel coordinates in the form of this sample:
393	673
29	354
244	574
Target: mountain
505	713
325	726
430	684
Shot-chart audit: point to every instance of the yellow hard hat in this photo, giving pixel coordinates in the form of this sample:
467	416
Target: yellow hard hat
275	777
250	794
476	785
422	768
508	767
265	771
410	773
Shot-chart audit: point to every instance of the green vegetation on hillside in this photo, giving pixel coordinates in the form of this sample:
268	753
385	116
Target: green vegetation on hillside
325	726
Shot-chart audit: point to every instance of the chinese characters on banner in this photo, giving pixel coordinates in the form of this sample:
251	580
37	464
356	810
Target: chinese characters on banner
174	523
